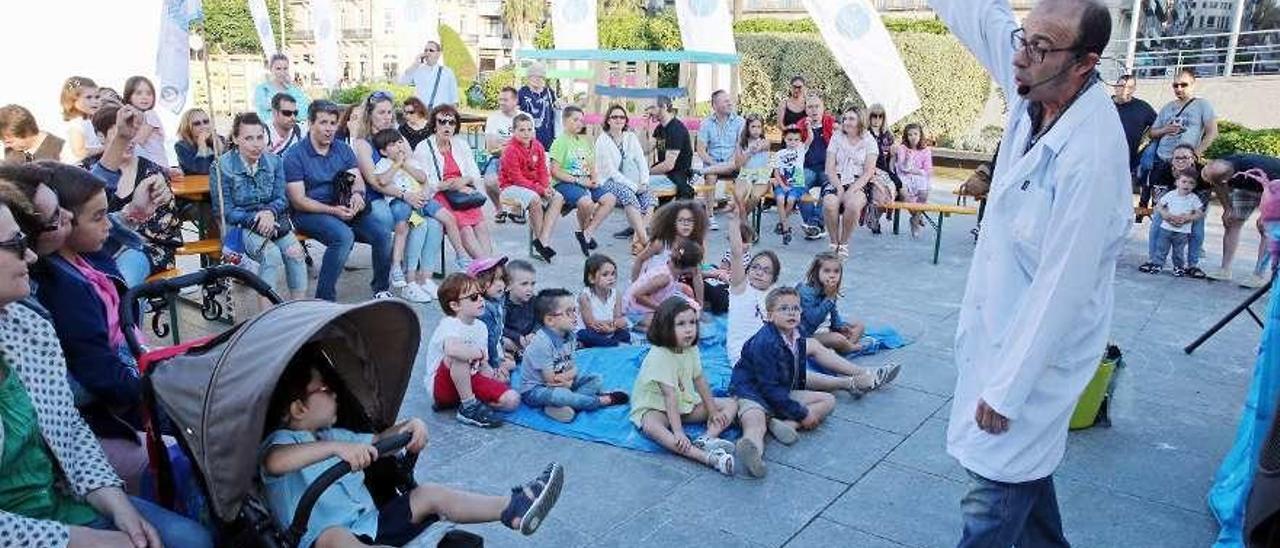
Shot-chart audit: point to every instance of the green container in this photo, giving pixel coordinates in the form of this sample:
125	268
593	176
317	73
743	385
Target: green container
1091	399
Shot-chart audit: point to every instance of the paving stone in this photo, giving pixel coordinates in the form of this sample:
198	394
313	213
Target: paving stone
824	533
839	450
894	408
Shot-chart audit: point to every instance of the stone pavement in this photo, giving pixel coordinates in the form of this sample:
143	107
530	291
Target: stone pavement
876	474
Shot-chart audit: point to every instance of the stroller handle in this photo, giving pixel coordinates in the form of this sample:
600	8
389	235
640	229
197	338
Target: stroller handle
307	503
160	288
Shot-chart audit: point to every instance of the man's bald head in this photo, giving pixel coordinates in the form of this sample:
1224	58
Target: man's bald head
1218	172
1090	19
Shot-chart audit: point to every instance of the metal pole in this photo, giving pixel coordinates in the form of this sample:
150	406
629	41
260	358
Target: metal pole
1134	20
215	179
282	29
1236	19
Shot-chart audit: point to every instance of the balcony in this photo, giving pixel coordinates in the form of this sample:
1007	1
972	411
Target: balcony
489	8
494	42
357	34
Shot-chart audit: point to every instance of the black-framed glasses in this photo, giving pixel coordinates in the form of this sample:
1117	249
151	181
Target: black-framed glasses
473	297
407	111
1035	52
54	224
18	244
289	113
617	117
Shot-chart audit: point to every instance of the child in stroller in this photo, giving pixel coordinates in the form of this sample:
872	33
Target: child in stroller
306	443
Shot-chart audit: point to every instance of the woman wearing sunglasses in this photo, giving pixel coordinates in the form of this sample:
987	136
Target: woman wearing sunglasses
198	145
451	166
50	223
59	488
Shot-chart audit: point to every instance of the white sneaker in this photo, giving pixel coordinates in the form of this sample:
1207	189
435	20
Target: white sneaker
397	277
429	287
1255	281
383	295
413	293
1220	274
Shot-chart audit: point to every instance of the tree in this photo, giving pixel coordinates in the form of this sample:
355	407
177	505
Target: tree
228	23
607	8
523	18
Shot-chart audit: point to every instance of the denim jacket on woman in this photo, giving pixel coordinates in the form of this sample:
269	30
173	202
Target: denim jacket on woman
244	195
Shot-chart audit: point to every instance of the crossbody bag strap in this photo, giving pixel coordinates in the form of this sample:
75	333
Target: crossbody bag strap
434	161
1180	111
431	103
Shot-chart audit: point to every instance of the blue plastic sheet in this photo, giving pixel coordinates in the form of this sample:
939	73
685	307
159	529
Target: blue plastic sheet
619	366
1230	491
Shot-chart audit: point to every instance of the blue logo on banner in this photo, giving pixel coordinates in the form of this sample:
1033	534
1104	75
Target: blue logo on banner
853	21
574	11
703	8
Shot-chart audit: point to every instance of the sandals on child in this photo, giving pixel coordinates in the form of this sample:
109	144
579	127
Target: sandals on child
532	501
721	461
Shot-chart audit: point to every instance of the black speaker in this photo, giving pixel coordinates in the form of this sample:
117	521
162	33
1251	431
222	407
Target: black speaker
1262	515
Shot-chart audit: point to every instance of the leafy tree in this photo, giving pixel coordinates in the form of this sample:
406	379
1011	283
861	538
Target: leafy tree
228	24
523	18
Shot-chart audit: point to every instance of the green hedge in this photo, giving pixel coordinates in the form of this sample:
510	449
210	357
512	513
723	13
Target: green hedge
806	26
456	57
952	85
357	93
1234	138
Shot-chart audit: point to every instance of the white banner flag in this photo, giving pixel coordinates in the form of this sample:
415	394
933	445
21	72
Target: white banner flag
172	52
707	25
417	24
573	24
262	23
324	27
856	37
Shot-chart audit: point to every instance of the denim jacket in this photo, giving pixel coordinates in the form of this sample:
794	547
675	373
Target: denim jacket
244	195
815	308
494	318
768	371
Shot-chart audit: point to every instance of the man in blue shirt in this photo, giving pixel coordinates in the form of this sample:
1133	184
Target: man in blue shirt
310	168
718	141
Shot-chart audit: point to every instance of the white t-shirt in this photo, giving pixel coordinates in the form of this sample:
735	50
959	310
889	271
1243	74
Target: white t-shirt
84	128
153	148
499	124
851	157
600	310
452	328
1179	205
746	317
402	180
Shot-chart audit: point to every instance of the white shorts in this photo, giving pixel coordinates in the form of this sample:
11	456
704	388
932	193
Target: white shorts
518	194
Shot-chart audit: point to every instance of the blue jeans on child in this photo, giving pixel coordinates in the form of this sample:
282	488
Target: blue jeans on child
134	266
338	237
1167	240
174	529
590	338
1194	247
1000	515
420	249
583	396
811	212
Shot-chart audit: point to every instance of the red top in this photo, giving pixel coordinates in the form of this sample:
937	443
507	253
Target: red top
524	166
828	127
451	169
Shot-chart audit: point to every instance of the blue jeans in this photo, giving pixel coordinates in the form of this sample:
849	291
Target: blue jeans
811	212
134	266
590	338
274	254
1001	515
583	396
1167	240
420	249
1195	245
174	529
373	228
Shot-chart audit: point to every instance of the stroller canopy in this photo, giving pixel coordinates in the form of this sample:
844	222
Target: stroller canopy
218	396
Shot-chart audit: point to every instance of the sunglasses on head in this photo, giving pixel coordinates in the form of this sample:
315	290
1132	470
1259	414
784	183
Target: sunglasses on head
379	96
289	113
16	245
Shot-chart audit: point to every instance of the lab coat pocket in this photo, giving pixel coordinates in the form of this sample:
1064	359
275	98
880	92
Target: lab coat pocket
1030	225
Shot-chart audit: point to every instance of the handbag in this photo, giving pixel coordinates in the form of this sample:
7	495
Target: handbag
458	200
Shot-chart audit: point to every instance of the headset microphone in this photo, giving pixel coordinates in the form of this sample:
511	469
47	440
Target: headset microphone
1024	89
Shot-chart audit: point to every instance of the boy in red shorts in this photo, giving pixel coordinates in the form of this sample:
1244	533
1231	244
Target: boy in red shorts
459	345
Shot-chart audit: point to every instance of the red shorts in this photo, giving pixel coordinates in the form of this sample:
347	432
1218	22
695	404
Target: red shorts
486	389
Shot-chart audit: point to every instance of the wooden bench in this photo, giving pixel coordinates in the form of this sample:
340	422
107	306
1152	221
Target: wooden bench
764	202
942	210
194	188
210	248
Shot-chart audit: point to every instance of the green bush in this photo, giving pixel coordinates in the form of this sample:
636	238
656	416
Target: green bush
952	85
358	92
1234	138
457	57
806	26
492	83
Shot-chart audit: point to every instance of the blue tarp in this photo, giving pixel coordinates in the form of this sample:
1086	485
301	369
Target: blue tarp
1230	491
619	366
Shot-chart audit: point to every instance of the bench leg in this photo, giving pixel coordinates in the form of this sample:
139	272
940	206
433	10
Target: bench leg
173	320
937	238
439	274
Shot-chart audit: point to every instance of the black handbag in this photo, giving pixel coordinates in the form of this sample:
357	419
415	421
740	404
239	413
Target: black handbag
458	200
343	181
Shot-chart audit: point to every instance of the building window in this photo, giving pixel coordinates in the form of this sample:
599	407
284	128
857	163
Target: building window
389	21
390	70
488	64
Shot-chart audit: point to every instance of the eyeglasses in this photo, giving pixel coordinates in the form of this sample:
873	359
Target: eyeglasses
16	245
760	268
198	123
289	113
571	311
1180	85
407	111
474	297
446	122
787	309
875	115
617	117
54	224
322	389
1035	52
685	222
432	50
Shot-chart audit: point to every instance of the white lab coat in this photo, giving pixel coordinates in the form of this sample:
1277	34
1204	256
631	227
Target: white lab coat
1037	305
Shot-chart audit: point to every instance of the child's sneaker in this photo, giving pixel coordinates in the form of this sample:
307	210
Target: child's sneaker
879	377
751	457
1150	268
532	501
429	287
1178	272
814	232
397	277
721	460
559	413
707	443
1255	281
783	432
476	413
413	293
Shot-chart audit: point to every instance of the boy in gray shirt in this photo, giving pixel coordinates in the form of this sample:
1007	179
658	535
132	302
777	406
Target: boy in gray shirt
548	377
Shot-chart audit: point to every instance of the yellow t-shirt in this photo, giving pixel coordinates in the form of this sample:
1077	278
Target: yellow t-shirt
669	368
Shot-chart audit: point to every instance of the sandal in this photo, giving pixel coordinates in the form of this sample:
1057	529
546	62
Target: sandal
843	251
500	217
1150	268
517	218
777	229
1195	272
786	236
532	501
582	243
721	461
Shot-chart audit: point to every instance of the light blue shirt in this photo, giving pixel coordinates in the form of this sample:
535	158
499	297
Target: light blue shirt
721	138
347	503
265	91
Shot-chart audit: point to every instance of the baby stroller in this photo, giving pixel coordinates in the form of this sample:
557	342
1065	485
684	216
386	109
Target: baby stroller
213	393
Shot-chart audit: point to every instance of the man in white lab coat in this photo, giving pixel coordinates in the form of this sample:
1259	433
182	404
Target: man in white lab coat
1037	305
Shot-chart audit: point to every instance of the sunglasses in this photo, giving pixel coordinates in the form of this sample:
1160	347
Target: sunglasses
431	50
198	123
289	113
446	122
407	111
473	297
16	245
1179	85
797	86
617	117
56	222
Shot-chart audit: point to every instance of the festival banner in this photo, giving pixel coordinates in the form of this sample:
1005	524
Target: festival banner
707	25
172	52
324	28
262	24
417	24
856	37
573	24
